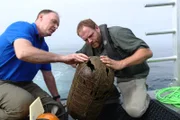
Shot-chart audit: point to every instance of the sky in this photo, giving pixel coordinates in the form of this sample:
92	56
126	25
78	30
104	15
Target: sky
126	13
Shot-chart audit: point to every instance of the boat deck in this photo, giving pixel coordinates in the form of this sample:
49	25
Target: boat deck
156	111
177	110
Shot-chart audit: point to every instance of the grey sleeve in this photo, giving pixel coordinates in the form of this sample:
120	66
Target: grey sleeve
86	49
126	40
82	50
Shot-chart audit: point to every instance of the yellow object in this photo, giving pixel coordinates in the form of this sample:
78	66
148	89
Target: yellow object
35	109
47	116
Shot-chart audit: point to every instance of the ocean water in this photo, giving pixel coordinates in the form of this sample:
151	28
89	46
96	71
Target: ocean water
161	75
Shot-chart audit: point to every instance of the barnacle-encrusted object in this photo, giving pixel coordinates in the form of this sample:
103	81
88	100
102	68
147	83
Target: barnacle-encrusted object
91	86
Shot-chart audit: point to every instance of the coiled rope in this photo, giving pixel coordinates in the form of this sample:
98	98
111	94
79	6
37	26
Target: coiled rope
170	95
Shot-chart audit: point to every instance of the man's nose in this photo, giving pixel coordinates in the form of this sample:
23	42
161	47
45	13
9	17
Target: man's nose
89	40
56	26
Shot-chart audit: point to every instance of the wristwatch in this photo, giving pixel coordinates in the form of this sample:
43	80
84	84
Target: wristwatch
56	97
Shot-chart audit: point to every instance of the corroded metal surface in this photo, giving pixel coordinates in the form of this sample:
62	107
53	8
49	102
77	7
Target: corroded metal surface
92	84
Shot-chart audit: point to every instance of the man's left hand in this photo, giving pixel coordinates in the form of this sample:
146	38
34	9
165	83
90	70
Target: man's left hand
114	64
58	100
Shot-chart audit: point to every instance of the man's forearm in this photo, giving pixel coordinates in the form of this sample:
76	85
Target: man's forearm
35	55
50	83
25	51
138	57
52	87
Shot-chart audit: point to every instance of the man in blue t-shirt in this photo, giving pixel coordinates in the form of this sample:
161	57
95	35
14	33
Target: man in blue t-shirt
23	53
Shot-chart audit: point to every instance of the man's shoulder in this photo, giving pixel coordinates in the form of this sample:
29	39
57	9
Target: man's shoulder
115	29
20	24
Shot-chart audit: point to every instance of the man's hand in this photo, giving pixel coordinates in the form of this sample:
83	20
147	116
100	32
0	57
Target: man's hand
116	65
58	100
75	58
74	65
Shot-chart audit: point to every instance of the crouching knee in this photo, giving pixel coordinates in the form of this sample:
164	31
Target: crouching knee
24	103
135	112
19	109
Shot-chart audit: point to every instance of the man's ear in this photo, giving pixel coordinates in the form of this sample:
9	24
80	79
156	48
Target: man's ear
40	17
97	28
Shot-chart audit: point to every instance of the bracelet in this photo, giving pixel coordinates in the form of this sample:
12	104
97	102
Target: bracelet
56	97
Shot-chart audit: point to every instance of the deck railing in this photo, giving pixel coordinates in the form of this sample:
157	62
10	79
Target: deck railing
175	39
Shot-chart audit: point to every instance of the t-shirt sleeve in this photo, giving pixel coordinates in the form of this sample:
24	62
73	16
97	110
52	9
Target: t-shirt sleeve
126	40
46	67
20	30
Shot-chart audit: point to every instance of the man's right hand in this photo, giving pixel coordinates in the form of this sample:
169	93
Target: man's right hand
75	58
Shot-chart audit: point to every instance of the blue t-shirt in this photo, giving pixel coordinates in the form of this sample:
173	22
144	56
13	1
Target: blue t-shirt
11	68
